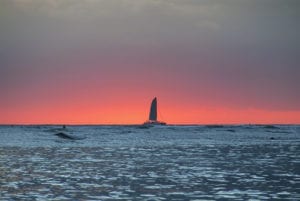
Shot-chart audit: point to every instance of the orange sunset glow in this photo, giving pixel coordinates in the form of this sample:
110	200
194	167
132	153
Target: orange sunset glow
103	62
131	110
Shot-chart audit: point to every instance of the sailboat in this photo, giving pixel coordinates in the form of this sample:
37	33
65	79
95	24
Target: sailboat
153	115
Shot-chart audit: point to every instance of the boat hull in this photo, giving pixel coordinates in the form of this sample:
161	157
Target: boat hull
153	123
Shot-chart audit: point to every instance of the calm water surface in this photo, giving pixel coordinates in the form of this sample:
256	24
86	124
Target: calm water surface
159	163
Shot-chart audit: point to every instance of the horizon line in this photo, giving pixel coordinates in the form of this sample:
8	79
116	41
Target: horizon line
136	124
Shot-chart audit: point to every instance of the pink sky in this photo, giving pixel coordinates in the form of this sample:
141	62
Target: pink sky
103	61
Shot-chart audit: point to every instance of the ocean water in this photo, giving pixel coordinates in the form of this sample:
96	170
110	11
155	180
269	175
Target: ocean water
160	163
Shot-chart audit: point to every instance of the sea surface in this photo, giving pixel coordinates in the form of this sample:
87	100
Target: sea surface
215	162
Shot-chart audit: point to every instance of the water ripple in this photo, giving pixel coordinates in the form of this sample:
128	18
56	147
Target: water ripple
151	173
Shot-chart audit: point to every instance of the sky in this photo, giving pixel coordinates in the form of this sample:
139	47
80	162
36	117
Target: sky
102	61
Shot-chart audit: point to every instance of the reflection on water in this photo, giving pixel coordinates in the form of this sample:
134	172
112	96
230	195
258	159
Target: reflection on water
187	172
158	171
